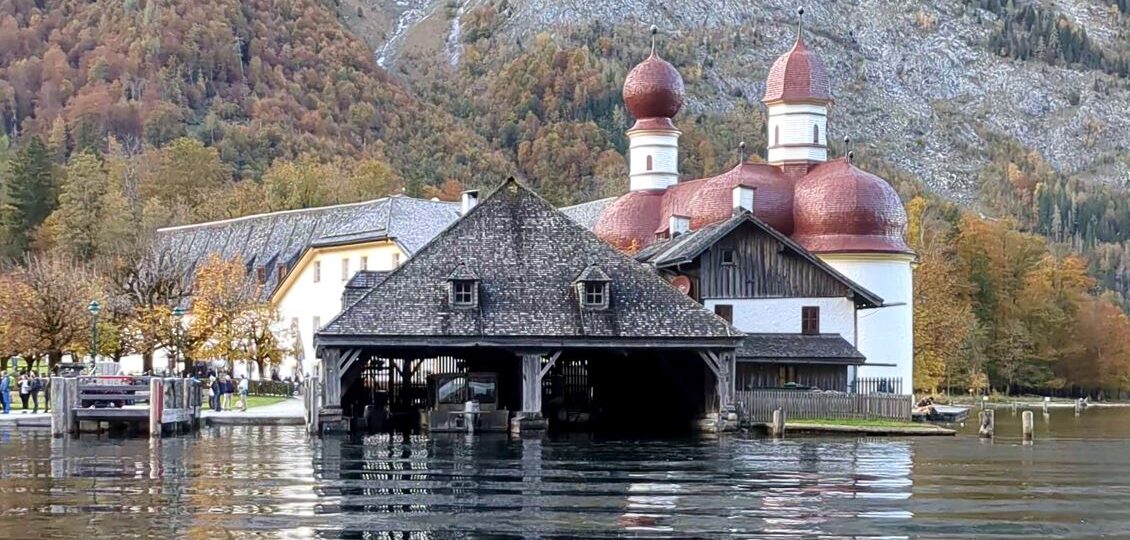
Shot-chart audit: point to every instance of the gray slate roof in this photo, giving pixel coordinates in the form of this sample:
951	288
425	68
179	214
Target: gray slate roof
359	284
799	349
684	248
267	240
587	214
527	255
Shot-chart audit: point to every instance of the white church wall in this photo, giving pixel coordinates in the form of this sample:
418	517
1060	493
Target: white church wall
663	149
783	315
790	130
886	335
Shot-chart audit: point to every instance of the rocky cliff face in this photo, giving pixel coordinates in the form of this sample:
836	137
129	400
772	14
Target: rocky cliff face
917	82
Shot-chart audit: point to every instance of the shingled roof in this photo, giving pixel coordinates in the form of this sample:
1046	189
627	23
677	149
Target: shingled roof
685	247
799	349
268	240
526	255
587	214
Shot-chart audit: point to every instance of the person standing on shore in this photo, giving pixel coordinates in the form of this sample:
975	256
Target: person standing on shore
244	387
25	391
36	387
5	392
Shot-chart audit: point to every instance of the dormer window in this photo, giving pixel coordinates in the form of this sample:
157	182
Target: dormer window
596	294
463	292
463	287
593	288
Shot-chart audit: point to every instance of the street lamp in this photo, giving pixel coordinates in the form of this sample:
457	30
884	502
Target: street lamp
94	308
178	314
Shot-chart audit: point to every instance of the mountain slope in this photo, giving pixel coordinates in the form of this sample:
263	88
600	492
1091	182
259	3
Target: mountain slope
923	85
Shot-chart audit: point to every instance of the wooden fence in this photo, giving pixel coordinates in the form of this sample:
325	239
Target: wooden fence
758	405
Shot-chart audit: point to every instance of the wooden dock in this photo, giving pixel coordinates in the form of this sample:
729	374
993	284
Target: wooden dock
159	405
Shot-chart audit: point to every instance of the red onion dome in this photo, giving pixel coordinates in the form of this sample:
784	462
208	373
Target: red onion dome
654	89
840	208
628	224
772	198
798	75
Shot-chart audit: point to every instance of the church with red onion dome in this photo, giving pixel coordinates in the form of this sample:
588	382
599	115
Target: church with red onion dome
850	219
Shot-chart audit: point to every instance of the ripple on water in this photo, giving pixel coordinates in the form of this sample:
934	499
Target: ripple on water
276	483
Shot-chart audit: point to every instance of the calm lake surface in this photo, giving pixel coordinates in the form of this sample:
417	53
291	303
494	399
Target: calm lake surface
273	482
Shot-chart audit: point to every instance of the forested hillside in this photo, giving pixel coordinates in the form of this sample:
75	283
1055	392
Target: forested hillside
122	116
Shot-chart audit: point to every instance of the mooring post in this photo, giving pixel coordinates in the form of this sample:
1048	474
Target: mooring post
1046	400
156	405
984	402
777	429
987	424
60	408
1026	424
1079	405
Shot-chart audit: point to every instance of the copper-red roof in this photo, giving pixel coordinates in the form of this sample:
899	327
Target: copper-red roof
772	198
798	75
838	207
629	222
654	89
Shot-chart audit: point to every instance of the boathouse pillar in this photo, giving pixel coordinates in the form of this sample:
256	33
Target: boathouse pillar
530	418
330	416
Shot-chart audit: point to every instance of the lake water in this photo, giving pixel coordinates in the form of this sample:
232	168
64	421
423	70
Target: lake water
273	482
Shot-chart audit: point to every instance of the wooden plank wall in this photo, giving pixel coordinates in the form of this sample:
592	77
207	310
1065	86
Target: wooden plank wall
758	405
762	270
753	376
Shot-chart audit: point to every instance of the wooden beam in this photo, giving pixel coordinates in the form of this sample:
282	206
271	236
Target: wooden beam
348	359
549	365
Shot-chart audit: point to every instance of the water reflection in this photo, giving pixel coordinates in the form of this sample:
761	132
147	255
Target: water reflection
275	483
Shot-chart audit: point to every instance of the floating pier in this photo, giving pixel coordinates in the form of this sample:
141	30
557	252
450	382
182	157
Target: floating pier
159	405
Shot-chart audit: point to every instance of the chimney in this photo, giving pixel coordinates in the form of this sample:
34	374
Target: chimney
470	199
678	225
743	199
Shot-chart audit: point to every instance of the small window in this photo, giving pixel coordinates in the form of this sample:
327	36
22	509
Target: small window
262	274
776	135
281	271
810	320
728	257
317	271
345	269
364	263
596	294
649	163
726	311
815	134
317	323
463	292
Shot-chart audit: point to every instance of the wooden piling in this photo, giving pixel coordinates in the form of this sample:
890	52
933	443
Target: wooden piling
156	405
777	428
1027	425
60	406
987	424
1046	400
1079	406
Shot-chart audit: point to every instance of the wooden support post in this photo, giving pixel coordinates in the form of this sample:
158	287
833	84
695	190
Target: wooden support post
1046	400
531	384
777	428
987	424
1026	424
156	405
1079	406
60	407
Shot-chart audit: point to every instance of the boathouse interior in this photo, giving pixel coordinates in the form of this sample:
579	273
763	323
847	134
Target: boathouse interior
647	391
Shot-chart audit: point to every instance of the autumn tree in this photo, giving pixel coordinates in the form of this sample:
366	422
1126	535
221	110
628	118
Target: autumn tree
231	321
93	217
54	314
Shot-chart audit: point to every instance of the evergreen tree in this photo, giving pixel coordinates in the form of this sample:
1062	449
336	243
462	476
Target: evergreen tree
31	195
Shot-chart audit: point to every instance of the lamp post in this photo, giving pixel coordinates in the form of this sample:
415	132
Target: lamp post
178	314
94	308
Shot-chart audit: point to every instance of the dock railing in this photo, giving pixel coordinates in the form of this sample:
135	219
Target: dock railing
757	406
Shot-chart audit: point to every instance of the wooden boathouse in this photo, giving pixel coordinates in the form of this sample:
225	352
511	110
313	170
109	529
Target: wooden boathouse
517	308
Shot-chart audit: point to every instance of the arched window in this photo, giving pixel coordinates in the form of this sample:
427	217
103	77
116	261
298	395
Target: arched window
815	134
776	135
649	163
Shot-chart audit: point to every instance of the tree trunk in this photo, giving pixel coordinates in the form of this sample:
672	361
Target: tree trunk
53	359
147	362
262	365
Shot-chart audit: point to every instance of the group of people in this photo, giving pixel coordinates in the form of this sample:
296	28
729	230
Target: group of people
221	389
28	385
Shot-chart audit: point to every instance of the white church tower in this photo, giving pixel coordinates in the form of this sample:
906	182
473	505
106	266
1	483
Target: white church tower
653	93
850	218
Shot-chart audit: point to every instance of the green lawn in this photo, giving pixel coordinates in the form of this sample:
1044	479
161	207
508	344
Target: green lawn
260	401
854	422
16	405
